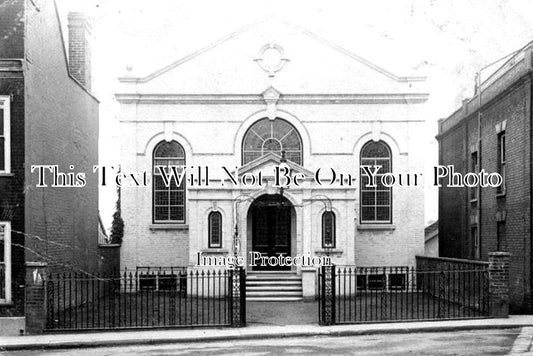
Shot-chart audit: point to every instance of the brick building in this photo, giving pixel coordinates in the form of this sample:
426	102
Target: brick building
47	117
492	131
267	91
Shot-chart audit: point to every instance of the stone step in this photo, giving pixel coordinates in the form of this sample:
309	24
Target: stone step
273	283
274	288
269	294
273	299
273	278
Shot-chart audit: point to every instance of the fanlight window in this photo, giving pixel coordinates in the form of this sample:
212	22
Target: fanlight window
376	202
168	202
274	136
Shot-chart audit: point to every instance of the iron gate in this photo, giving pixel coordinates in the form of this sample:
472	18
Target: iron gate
145	299
348	294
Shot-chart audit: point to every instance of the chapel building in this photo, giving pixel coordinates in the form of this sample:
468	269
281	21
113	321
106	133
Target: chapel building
271	95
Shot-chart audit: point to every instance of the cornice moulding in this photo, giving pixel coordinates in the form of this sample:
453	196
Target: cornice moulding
401	98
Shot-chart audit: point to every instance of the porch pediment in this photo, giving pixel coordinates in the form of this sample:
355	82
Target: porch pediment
267	164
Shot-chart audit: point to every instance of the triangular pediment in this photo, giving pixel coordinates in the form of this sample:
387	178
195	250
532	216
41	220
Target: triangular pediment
267	163
271	53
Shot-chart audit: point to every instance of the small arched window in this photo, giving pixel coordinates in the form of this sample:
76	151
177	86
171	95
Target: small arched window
328	229
215	229
274	136
168	201
375	202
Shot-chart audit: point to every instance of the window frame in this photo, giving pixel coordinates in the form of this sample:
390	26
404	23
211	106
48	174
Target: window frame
501	161
7	262
184	183
5	104
362	189
210	243
333	229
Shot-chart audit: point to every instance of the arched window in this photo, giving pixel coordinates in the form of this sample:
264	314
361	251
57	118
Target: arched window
375	202
168	201
215	229
274	136
328	229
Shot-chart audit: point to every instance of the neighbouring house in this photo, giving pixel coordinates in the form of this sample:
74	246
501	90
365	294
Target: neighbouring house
271	95
492	132
431	245
48	116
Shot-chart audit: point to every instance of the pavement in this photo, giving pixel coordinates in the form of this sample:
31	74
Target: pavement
203	335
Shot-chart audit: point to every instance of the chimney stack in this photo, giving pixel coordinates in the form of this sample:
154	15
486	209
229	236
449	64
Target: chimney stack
79	49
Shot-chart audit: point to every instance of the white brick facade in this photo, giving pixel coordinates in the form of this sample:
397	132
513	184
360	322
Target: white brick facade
336	101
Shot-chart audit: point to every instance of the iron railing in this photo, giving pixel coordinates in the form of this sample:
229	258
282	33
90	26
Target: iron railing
141	299
374	294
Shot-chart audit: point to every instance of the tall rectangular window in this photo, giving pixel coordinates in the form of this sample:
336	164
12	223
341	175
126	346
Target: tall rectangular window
375	201
5	131
215	229
168	201
501	160
328	229
474	168
5	262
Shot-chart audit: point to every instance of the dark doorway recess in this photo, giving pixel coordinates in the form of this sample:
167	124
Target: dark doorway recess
271	228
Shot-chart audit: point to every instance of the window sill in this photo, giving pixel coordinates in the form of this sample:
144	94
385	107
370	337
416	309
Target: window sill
214	250
376	227
6	174
330	251
108	245
500	195
168	227
473	201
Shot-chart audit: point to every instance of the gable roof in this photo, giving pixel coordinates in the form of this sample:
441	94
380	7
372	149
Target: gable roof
161	71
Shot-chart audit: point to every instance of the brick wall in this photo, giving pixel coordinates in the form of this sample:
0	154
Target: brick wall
12	188
455	207
452	205
515	109
62	129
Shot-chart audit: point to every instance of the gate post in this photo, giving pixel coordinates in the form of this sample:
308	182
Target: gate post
328	295
499	284
238	297
35	299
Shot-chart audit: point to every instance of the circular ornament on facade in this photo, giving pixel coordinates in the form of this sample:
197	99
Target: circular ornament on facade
271	58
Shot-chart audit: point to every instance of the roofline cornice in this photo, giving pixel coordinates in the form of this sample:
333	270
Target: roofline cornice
396	98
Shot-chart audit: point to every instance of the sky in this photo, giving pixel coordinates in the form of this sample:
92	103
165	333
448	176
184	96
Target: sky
448	41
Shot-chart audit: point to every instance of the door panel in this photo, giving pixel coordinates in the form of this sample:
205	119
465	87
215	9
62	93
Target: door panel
271	231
